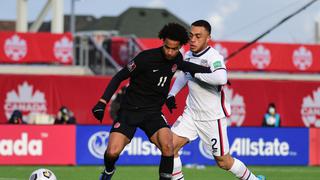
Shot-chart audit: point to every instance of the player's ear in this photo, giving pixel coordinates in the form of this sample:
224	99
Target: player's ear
208	38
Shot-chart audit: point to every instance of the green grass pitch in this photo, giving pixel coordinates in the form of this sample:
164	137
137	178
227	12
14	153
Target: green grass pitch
150	172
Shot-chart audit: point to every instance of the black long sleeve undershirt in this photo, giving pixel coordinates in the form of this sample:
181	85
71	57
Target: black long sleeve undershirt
193	68
122	75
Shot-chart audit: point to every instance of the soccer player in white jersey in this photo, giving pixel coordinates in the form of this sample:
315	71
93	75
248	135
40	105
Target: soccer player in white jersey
206	106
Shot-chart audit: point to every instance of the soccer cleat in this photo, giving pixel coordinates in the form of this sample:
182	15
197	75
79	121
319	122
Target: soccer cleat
106	175
261	177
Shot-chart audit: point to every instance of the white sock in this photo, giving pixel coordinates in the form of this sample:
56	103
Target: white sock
177	169
241	171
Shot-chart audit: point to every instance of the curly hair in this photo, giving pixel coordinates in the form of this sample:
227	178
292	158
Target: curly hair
174	31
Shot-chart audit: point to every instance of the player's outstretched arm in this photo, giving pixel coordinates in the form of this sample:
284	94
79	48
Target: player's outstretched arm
99	108
192	68
217	77
178	84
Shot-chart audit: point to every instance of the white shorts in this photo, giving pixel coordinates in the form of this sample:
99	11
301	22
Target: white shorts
212	133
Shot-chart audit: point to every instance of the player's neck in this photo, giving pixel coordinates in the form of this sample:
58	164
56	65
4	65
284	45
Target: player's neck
202	51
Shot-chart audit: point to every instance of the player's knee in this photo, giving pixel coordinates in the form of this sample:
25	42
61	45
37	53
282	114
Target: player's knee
167	148
112	153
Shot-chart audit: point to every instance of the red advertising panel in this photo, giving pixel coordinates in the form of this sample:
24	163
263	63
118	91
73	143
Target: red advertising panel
262	56
120	50
41	144
22	48
314	143
46	94
296	101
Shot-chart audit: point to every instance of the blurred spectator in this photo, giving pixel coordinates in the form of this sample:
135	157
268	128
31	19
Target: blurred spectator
115	104
16	117
65	116
271	117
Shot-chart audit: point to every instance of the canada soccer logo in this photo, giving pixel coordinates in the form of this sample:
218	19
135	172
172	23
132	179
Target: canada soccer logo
302	58
310	110
222	50
26	99
15	48
98	143
260	57
63	50
238	108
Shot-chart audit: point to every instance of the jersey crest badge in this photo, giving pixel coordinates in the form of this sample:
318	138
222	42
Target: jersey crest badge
204	63
131	66
116	125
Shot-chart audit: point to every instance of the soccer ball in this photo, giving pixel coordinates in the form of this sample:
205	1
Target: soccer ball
42	174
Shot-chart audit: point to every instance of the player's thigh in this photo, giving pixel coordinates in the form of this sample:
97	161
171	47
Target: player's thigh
184	127
214	135
116	143
156	128
163	139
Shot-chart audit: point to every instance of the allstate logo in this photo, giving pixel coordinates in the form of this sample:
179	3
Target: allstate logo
205	151
98	143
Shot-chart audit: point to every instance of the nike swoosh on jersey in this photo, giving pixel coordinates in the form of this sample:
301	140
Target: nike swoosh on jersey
155	70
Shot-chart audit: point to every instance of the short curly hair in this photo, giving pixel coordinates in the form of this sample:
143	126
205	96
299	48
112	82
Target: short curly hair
174	31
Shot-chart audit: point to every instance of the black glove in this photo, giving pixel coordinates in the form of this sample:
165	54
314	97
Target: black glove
98	110
192	74
171	103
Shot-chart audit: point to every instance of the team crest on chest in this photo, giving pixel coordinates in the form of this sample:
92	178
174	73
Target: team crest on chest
204	63
174	68
131	66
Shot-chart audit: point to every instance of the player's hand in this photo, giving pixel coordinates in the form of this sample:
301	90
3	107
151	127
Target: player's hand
192	74
171	103
98	110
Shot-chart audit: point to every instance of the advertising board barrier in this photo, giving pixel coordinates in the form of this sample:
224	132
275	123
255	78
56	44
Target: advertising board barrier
37	144
92	142
314	157
249	99
21	48
254	146
280	57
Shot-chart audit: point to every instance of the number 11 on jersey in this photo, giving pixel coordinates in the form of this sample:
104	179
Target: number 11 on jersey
162	80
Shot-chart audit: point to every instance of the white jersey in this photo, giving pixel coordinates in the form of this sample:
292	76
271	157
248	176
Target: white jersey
206	99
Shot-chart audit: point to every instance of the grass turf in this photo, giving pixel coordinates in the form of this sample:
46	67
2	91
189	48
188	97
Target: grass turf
151	172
